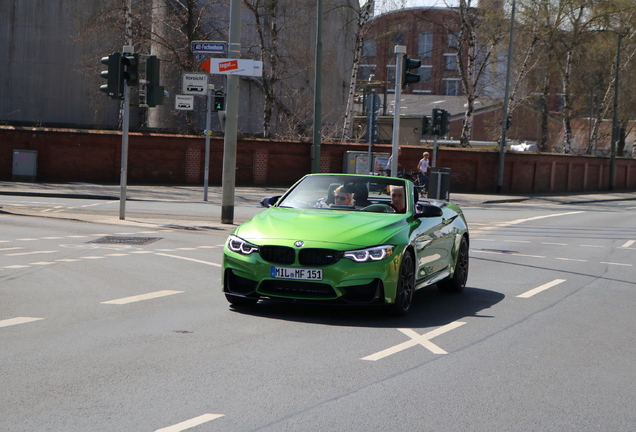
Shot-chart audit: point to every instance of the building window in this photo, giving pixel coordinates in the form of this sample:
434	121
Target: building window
450	61
398	39
366	72
390	73
368	48
425	45
453	40
451	87
425	73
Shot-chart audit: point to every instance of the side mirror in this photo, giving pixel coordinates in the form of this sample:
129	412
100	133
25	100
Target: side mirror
428	210
270	200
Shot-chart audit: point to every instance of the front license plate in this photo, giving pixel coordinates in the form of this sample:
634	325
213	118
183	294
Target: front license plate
295	273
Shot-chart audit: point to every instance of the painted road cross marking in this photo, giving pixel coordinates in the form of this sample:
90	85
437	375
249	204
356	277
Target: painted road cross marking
190	423
544	287
417	339
628	244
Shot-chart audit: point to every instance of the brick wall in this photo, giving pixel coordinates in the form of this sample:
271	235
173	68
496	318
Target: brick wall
95	157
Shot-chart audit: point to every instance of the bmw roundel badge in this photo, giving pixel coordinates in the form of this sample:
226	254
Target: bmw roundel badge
299	243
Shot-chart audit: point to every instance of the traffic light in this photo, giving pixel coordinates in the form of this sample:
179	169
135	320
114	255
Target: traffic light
130	61
115	86
219	101
444	121
154	91
427	126
437	120
407	65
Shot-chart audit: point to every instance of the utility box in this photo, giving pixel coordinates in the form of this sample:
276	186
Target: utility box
439	183
25	165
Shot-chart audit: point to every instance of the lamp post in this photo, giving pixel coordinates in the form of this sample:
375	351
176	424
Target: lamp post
615	128
504	122
317	136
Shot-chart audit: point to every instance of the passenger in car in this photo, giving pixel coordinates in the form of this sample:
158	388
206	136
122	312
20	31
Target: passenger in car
397	198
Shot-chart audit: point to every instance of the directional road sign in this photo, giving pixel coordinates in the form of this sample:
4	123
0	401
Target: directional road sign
233	67
215	47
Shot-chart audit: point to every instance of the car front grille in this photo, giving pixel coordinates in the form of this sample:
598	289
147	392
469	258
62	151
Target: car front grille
308	257
277	254
296	288
318	257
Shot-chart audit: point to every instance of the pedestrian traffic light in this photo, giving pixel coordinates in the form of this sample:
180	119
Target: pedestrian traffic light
115	86
407	65
219	101
154	91
130	62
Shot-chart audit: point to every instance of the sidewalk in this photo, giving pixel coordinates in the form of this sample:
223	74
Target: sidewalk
251	196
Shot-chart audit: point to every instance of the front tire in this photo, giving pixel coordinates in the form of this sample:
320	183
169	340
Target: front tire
457	282
405	287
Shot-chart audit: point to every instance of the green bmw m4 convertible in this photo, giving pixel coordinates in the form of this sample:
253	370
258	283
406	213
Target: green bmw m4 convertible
346	238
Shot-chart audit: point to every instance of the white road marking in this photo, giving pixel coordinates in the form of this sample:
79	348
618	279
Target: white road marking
528	256
618	264
518	221
117	254
68	260
51	238
487	252
571	259
30	253
93	257
190	423
141	252
544	287
26	239
628	244
18	320
16	266
149	296
554	244
416	339
592	246
43	263
517	241
190	259
10	248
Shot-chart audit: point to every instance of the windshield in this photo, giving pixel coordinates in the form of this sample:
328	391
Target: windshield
347	192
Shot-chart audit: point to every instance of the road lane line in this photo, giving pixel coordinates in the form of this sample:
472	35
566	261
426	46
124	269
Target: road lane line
10	248
416	339
554	244
190	259
618	264
68	259
518	221
571	259
149	296
16	266
27	239
30	253
18	320
628	244
528	256
190	423
543	287
43	263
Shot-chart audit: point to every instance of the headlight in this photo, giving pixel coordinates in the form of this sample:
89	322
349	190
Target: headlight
376	253
238	245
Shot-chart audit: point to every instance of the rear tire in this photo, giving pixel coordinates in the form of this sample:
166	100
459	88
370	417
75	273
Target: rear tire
405	286
457	282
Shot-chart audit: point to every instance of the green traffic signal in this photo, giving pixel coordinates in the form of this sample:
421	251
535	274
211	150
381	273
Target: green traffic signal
219	102
115	85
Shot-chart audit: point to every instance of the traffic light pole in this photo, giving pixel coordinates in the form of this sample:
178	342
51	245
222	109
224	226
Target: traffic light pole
124	153
208	113
400	51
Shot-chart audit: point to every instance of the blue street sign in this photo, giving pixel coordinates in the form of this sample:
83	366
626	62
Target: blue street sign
218	47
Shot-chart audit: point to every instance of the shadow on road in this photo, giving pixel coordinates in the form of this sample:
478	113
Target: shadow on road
430	308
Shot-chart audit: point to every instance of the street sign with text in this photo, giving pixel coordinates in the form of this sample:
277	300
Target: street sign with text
214	47
184	102
195	83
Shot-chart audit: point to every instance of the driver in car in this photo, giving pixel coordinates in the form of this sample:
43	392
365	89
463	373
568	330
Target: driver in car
397	198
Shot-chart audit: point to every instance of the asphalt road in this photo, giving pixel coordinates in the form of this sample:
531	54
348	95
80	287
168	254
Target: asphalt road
120	325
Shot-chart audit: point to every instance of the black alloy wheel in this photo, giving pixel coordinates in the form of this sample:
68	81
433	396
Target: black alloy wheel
405	286
457	282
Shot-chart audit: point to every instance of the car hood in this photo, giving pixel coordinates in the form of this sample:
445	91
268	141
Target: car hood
319	227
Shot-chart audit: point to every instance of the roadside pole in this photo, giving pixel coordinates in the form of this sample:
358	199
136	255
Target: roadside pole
208	113
400	51
231	120
124	153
